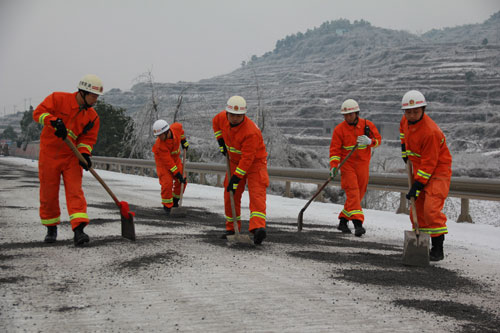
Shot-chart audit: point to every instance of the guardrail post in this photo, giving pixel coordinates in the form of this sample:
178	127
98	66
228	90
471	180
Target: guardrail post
288	189
403	204
202	179
219	180
464	211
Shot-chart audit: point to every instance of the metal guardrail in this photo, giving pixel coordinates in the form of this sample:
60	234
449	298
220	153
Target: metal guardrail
462	187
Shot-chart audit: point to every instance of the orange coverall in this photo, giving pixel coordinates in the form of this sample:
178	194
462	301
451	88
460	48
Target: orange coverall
355	171
248	161
56	158
168	164
427	150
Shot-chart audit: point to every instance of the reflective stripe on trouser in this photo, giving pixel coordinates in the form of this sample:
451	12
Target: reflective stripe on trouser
50	170
170	186
430	203
257	180
354	182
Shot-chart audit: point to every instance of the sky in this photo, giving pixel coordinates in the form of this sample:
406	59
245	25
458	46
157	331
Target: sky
48	45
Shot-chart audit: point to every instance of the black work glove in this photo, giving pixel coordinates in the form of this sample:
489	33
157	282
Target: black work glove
61	131
233	184
185	144
415	190
403	153
222	146
181	179
89	162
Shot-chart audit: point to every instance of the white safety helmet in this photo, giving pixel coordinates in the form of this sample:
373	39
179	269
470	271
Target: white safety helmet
349	106
160	126
236	105
91	83
413	99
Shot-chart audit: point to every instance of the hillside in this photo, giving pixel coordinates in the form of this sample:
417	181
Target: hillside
300	85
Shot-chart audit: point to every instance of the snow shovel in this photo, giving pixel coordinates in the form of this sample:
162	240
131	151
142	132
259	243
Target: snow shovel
416	244
181	211
127	217
300	219
237	237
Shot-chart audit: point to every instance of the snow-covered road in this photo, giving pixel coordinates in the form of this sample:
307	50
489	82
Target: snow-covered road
179	276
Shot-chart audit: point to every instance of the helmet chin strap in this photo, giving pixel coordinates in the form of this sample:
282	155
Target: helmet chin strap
85	105
355	122
416	121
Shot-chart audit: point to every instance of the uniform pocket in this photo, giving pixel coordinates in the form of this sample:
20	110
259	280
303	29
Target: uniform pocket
438	187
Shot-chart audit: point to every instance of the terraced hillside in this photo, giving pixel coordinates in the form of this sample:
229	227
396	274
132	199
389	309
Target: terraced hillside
295	91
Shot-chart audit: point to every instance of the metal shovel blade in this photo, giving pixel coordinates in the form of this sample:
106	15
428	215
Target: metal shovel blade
128	228
178	212
239	238
416	249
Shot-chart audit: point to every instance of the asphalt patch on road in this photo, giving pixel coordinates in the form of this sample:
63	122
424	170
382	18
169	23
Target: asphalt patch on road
169	257
213	237
480	320
17	207
326	238
390	272
12	279
433	278
71	308
157	217
382	260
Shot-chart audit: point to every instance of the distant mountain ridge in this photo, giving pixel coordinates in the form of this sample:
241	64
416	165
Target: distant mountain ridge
299	86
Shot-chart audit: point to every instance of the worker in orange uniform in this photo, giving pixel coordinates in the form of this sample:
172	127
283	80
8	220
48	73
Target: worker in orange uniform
169	168
424	144
355	171
66	115
240	137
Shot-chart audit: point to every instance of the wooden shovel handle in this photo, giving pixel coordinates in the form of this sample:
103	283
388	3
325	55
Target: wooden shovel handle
326	182
91	170
183	176
409	169
231	198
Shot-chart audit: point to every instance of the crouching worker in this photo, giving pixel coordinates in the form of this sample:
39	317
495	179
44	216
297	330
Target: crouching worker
66	115
424	144
169	166
356	170
240	137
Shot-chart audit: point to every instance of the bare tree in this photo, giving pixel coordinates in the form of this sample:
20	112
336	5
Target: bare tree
141	139
179	102
260	118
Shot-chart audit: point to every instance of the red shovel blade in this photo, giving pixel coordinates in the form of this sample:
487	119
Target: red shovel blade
127	217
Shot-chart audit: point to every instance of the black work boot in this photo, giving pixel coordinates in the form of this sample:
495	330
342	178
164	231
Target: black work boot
259	235
437	253
343	226
358	228
227	233
167	210
176	202
80	237
51	234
